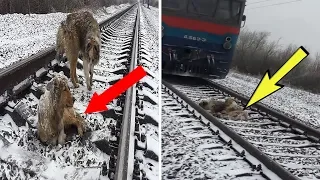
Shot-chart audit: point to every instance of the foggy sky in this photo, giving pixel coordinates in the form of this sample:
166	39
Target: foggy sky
296	22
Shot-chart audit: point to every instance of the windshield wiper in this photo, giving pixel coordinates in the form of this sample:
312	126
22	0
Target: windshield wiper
194	7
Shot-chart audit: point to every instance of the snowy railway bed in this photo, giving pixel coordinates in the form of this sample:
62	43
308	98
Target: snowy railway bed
287	147
120	143
191	150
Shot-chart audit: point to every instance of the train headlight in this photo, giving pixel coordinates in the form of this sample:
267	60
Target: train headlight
227	45
228	38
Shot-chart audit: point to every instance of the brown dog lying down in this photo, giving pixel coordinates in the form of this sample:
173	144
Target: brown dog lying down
227	109
55	111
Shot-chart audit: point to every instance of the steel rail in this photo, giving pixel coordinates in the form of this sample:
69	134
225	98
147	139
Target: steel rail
269	167
292	123
125	158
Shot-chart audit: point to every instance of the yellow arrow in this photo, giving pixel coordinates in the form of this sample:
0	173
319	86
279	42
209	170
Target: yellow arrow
268	85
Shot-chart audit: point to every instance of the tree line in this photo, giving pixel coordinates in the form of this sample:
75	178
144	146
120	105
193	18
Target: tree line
49	6
256	53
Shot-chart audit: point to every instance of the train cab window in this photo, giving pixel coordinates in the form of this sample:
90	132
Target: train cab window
171	4
228	11
202	7
223	11
235	10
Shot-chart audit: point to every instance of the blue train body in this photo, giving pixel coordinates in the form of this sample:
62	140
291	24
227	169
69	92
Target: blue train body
195	46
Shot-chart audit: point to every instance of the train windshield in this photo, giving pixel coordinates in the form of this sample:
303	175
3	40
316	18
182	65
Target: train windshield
202	7
221	11
171	4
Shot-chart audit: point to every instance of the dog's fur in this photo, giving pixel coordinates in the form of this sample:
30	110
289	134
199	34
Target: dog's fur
60	49
56	98
71	117
233	111
228	109
212	105
79	34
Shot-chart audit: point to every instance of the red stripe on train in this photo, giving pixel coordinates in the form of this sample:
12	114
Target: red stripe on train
197	25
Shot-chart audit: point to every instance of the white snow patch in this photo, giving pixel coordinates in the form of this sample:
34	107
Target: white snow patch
153	114
40	71
153	97
22	83
149	81
23	35
151	142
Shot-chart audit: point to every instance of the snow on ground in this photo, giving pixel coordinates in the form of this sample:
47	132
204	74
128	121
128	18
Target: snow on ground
24	35
107	12
155	9
191	151
295	103
21	150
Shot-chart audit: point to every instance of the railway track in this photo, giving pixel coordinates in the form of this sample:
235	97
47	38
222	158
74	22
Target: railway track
283	146
195	151
117	144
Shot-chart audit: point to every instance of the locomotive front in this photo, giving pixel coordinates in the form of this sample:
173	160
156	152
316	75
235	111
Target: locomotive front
199	36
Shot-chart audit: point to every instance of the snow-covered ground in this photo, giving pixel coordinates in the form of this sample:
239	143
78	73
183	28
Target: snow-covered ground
299	104
191	151
21	151
23	35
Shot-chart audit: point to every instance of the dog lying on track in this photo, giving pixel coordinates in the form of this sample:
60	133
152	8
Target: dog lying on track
79	34
212	105
227	109
52	103
55	112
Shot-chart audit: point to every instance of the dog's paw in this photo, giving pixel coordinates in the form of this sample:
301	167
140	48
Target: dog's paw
91	82
89	88
52	142
80	132
76	85
62	138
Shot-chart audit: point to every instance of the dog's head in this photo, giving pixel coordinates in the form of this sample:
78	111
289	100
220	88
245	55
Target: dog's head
204	104
60	90
229	101
93	49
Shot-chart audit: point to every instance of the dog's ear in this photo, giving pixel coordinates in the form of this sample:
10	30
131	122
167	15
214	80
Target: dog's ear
50	85
96	48
64	27
89	44
205	103
57	87
53	87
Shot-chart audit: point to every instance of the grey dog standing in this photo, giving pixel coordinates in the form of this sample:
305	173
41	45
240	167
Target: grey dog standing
80	33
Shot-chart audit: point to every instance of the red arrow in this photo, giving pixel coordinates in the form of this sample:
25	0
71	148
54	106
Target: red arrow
98	102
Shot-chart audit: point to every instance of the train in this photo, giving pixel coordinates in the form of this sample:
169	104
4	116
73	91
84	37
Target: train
199	36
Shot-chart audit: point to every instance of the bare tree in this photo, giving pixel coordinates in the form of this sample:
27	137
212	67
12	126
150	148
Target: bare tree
47	6
255	54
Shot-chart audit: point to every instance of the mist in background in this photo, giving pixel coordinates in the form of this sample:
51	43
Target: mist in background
297	22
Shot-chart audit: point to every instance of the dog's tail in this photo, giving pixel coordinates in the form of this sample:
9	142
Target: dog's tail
243	115
62	30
